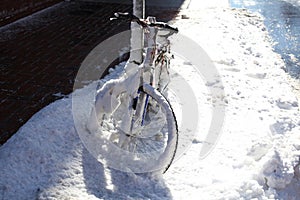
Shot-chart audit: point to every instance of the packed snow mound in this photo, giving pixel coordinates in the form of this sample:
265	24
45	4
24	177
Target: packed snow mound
257	155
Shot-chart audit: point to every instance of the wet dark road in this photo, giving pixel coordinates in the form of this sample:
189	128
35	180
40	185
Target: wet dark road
282	20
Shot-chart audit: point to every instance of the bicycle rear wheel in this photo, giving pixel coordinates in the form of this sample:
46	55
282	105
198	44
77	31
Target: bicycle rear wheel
151	140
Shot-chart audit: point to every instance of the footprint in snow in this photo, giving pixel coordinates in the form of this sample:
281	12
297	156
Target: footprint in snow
281	127
232	69
259	148
229	62
286	105
258	75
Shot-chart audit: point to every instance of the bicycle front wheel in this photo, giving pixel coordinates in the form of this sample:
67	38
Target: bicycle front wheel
151	142
171	124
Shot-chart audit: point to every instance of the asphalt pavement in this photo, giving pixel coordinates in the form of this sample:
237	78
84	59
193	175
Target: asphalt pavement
41	54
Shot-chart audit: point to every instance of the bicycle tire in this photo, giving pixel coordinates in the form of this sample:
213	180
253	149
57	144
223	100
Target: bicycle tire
166	149
173	132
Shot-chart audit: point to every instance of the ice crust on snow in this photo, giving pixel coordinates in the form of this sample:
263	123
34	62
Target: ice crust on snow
257	156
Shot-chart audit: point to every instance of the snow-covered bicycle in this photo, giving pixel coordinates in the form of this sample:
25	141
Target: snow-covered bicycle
132	112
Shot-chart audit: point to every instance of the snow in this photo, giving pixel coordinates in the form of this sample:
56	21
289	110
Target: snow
201	4
294	2
256	156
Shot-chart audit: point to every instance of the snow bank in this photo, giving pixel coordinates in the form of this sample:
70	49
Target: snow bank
257	155
45	159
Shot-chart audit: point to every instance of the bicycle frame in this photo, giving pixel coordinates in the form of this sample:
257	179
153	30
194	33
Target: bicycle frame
132	82
143	73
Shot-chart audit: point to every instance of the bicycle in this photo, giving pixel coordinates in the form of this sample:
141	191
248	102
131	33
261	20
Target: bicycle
132	112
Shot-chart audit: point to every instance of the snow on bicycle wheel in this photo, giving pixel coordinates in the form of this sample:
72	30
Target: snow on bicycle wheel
145	138
147	147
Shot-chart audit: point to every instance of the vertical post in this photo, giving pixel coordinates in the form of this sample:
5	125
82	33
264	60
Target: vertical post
136	57
137	40
139	8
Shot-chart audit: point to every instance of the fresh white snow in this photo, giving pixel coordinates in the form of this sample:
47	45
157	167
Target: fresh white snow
256	156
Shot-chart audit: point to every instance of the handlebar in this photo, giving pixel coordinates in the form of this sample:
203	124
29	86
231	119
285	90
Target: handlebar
164	25
144	24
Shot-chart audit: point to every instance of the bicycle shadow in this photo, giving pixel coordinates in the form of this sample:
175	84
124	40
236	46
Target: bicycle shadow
109	183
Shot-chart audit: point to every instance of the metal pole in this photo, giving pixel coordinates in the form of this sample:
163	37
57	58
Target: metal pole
136	55
137	40
139	8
